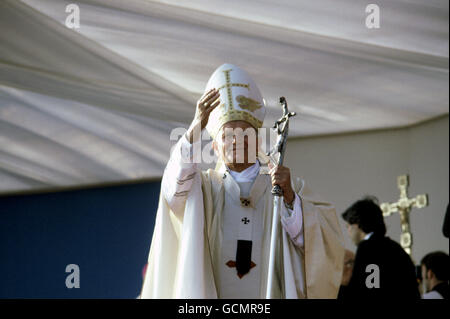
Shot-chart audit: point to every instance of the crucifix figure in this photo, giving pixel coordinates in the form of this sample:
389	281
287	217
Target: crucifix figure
282	127
403	206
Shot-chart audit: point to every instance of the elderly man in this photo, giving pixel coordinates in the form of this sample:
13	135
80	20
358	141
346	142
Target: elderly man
212	230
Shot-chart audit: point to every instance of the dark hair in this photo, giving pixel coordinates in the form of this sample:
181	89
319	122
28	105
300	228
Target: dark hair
438	263
367	215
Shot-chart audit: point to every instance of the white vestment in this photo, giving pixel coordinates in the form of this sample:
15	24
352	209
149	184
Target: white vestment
200	217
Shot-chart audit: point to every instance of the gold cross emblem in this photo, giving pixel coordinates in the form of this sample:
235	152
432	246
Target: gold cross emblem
229	85
245	202
403	206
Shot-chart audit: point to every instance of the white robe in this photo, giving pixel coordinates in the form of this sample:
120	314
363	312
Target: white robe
195	234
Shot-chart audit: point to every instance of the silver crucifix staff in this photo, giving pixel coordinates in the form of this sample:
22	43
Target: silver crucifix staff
282	127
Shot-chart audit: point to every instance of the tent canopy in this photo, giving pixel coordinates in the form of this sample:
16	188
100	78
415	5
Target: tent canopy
98	103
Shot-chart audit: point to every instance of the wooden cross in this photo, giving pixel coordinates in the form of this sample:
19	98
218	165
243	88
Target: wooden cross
403	206
229	85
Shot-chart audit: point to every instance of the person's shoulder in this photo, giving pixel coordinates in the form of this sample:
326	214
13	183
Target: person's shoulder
212	177
307	194
393	245
379	239
365	248
373	244
397	253
387	244
366	245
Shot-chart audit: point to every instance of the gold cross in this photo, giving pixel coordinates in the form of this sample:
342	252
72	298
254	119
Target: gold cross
229	85
403	206
245	202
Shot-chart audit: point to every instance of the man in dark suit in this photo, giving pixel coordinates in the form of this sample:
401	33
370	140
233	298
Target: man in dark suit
382	269
435	273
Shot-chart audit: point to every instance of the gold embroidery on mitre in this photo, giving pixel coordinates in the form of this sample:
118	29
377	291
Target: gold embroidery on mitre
228	85
248	103
228	113
234	115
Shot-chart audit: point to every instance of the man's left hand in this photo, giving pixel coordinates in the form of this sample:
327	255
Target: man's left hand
281	176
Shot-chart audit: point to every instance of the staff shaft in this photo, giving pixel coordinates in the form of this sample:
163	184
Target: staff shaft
282	126
273	241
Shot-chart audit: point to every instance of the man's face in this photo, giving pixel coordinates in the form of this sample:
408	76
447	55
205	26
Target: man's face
237	142
425	279
355	233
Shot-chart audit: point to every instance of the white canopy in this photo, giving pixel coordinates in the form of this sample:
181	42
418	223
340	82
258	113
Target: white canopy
97	104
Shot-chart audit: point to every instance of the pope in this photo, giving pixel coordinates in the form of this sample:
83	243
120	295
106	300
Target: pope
212	229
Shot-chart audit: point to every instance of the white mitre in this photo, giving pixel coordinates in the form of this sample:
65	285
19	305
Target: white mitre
240	99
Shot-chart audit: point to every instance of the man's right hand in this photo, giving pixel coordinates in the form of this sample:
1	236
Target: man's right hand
205	105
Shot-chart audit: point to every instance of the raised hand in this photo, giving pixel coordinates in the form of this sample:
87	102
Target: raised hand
205	105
